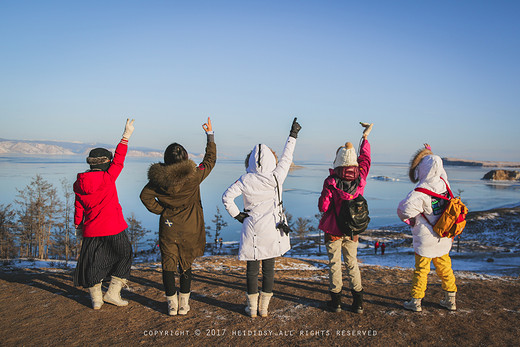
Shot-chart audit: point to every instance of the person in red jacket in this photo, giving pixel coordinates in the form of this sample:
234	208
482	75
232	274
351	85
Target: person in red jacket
105	250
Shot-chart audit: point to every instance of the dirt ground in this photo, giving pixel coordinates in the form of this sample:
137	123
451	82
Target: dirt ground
42	307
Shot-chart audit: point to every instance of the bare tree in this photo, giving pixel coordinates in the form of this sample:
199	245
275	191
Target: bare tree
302	226
67	244
219	224
39	206
320	238
135	231
7	232
26	226
153	243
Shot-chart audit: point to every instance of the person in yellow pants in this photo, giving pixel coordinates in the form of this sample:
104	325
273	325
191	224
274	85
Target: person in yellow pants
422	269
421	211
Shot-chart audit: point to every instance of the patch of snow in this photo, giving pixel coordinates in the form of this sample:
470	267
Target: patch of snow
24	263
384	178
488	216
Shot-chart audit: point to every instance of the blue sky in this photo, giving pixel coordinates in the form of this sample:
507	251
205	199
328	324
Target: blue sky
443	72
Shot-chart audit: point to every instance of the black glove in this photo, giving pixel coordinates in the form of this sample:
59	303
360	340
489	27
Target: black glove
241	216
295	128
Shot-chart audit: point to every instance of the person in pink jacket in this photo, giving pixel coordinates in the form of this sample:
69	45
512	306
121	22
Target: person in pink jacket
346	181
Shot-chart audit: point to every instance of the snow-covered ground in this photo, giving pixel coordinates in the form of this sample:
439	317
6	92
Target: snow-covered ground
489	245
497	264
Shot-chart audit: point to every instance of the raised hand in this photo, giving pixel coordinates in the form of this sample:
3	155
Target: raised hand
368	128
207	126
295	128
129	128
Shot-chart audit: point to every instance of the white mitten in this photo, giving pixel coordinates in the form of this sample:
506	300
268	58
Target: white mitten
368	128
129	128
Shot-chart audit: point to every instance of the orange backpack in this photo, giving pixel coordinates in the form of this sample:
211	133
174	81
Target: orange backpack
453	218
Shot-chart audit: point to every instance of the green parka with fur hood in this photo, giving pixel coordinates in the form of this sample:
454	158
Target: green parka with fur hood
173	193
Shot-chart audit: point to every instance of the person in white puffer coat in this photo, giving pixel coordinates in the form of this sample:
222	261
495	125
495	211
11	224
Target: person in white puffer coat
421	212
261	240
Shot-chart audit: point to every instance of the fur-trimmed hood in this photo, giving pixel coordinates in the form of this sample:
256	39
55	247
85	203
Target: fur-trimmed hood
426	169
171	177
414	162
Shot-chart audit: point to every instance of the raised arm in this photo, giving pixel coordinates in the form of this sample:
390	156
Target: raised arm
364	159
282	169
210	156
122	148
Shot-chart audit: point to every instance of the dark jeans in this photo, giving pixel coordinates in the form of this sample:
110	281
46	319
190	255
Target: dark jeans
253	269
169	281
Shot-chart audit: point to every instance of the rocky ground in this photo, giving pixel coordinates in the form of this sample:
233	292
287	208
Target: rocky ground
40	306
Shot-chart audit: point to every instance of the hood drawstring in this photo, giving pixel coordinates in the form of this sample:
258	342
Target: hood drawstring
259	152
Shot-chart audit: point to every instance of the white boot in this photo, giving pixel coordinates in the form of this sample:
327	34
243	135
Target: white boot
252	305
96	295
264	303
184	299
449	301
173	304
113	294
413	305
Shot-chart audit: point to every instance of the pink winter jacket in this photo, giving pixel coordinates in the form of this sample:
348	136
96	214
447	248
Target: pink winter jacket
330	191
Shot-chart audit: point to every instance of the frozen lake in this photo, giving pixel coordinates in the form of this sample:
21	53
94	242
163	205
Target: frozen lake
301	189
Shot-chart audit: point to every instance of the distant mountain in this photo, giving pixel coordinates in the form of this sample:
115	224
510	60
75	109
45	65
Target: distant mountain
465	162
28	147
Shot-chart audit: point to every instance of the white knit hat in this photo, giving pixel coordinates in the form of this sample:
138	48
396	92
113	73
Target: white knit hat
346	156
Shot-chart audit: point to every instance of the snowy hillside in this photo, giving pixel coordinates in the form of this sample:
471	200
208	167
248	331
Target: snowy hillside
26	147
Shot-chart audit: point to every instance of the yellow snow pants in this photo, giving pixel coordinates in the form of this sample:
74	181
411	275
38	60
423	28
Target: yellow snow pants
422	269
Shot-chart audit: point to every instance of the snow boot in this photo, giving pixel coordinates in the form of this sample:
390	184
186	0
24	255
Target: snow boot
264	303
413	305
252	305
173	304
449	301
335	302
357	303
113	294
184	300
96	295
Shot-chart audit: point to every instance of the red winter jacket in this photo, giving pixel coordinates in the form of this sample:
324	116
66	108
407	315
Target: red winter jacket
332	196
97	205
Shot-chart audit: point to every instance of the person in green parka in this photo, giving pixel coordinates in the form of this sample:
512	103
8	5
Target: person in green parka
173	192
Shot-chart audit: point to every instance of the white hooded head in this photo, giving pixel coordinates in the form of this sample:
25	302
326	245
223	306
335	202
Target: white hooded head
428	173
261	160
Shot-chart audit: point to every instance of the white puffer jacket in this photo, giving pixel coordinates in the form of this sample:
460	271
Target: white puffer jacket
260	239
426	242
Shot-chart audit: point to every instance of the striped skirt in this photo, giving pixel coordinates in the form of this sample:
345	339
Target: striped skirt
102	257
